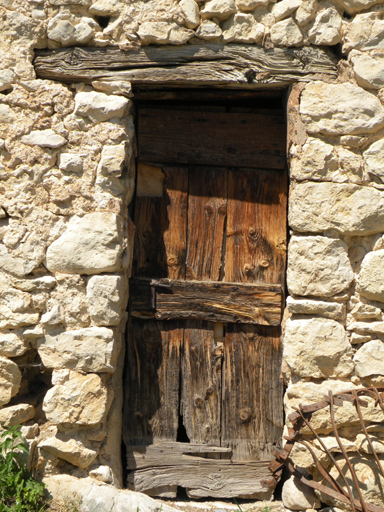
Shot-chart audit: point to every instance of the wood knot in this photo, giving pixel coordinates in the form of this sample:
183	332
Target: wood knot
245	414
264	263
198	401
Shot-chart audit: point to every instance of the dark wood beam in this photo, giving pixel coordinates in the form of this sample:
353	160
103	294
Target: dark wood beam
205	65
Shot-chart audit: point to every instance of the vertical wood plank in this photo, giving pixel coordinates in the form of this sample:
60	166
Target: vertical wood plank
256	227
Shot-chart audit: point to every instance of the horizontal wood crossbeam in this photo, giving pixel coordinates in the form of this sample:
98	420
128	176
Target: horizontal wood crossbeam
213	65
213	301
169	464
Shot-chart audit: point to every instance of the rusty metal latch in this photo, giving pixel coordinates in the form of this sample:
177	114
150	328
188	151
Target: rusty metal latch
157	287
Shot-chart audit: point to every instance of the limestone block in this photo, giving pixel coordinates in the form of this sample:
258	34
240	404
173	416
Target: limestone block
163	32
363	445
317	161
318	266
107	299
370	280
369	359
102	474
366	312
354	6
11	345
370	480
16	414
76	399
69	449
367	327
242	28
364	32
208	30
53	316
91	244
346	208
112	164
107	7
286	33
317	348
68	31
92	349
345	415
340	109
285	8
35	284
66	2
10	379
374	160
297	496
351	167
99	107
249	5
119	87
306	11
33	333
220	9
7	76
332	310
368	69
70	162
357	339
191	12
326	28
16	309
44	138
6	114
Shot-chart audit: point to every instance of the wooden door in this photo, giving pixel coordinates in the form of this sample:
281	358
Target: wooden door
203	394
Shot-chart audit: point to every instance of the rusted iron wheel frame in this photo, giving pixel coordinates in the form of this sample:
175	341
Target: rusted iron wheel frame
302	417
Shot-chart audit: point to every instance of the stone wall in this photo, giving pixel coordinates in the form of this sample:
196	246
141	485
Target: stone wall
67	171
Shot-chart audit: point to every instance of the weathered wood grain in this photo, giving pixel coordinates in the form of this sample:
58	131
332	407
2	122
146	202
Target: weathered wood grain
201	137
232	65
179	463
214	301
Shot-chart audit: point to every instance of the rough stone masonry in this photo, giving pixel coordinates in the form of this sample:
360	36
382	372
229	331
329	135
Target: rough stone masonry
66	171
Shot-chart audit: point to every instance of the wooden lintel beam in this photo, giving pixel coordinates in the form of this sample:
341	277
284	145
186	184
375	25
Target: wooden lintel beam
205	65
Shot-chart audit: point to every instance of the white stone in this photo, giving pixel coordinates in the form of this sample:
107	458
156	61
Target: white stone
285	8
346	208
71	450
10	379
191	12
220	9
363	445
317	348
16	414
44	138
368	69
326	28
318	266
119	87
350	167
357	339
16	308
370	280
70	162
53	317
76	399
298	496
69	33
180	35
305	12
91	244
249	5
332	310
340	109
6	114
367	327
33	333
99	107
286	33
316	161
107	7
102	474
36	284
366	312
369	359
242	28
163	32
7	76
354	6
208	30
92	349
107	299
374	160
11	345
364	32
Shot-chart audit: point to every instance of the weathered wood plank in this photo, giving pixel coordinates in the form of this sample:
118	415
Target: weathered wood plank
201	138
256	227
214	301
236	66
201	383
162	464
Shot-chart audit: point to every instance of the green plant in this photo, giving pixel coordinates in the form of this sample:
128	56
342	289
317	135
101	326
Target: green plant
19	491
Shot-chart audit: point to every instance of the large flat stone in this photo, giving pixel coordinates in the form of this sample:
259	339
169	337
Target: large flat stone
69	449
370	280
92	349
298	496
99	107
317	348
364	32
91	244
16	414
44	138
326	28
340	109
318	266
107	299
346	208
76	399
332	310
368	69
